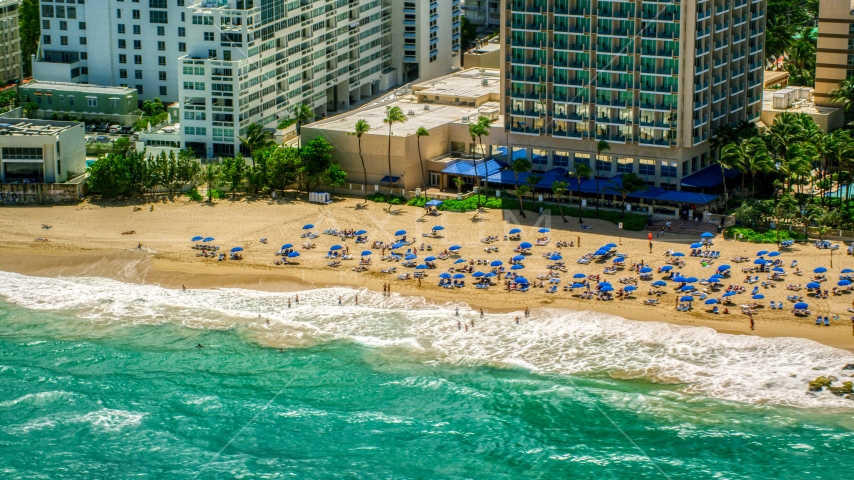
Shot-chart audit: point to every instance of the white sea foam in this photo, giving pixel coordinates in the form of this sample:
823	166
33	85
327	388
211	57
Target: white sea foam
110	420
37	399
701	361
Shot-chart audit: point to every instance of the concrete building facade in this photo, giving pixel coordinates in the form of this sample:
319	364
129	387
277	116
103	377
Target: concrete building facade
654	80
835	49
230	63
483	12
74	98
10	42
41	151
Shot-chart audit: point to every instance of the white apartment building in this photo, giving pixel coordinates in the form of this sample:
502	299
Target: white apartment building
10	42
230	63
483	12
431	38
654	79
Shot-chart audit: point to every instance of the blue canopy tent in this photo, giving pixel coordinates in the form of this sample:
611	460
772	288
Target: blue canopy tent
433	203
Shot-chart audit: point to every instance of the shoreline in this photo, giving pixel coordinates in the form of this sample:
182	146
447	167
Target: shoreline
142	267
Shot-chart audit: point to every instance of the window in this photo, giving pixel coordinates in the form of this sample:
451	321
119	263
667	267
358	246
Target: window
46	39
60	12
47	10
71	100
161	76
82	40
182	47
646	167
84	55
211	53
195	130
668	169
182	32
163	90
123	73
226	55
157	4
121	28
161	46
158	16
137	59
137	30
63	25
84	70
183	17
209	36
194	86
137	45
582	158
22	153
625	165
539	158
118	13
603	165
114	103
72	13
139	89
92	101
137	74
560	159
161	61
123	58
189	70
202	20
122	43
135	14
45	24
81	25
190	115
161	30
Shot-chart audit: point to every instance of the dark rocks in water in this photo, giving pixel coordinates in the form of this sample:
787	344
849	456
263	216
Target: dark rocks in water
847	388
818	384
850	366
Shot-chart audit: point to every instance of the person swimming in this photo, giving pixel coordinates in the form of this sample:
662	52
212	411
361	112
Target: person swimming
200	346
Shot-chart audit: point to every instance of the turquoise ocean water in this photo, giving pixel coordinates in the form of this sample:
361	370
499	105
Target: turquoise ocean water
100	379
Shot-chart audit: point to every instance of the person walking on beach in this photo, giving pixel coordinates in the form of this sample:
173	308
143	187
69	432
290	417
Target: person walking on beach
472	324
517	319
527	312
458	311
459	325
289	303
183	288
383	289
579	241
388	290
481	313
751	322
357	299
650	246
339	300
467	328
297	299
419	281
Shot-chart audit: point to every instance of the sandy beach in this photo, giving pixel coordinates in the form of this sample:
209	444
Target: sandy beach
87	240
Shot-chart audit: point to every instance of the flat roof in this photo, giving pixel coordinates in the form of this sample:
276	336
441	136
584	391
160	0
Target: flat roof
489	47
26	126
465	84
799	106
772	77
416	116
78	87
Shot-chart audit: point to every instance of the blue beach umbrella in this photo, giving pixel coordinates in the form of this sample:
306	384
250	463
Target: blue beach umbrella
680	279
521	280
667	268
686	298
514	231
607	288
410	257
459	275
579	275
611	245
365	253
422	267
454	248
813	285
778	270
237	249
293	255
335	247
759	261
696	245
196	238
430	259
691	280
445	275
544	230
605	284
438	227
518	258
715	279
711	301
707	235
577	285
517	267
619	260
723	268
477	274
361	232
208	239
687	288
801	306
677	254
820	270
600	252
774	254
645	270
758	296
659	283
491	274
287	245
729	294
460	260
525	245
399	233
555	258
496	263
308	226
761	253
847	270
630	288
843	283
398	245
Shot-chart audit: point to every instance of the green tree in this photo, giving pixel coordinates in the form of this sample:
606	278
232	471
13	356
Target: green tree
282	166
631	183
120	146
187	169
30	109
458	181
778	39
153	107
233	172
559	188
800	62
335	176
750	157
255	138
844	94
315	161
601	146
9	98
421	132
209	175
30	32
520	165
532	180
302	114
580	172
476	131
468	32
362	127
392	115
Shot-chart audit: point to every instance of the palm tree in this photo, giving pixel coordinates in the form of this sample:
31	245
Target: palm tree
630	183
532	180
302	114
559	188
521	165
421	132
362	127
581	173
757	160
256	138
844	94
476	130
778	39
732	155
209	176
600	147
800	62
392	115
483	131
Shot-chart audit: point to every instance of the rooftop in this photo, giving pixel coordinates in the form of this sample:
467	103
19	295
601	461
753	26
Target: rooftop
484	48
78	87
798	100
21	127
469	84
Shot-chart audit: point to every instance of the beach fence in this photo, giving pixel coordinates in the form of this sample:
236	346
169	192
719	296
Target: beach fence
40	193
319	197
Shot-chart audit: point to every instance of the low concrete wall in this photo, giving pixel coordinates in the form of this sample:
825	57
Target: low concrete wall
13	113
29	193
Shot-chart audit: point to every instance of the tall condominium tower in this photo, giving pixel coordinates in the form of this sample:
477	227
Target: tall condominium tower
10	42
835	50
483	12
654	79
231	63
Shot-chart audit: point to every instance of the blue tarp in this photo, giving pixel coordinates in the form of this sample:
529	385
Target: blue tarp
393	179
708	177
433	203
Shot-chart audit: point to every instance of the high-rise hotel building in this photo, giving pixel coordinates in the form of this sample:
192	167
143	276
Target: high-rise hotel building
231	63
653	78
10	42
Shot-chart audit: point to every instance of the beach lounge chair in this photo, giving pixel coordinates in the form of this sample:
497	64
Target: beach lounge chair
553	289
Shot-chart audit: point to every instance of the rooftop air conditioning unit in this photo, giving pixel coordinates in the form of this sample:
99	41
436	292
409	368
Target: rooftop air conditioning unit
411	113
466	119
484	82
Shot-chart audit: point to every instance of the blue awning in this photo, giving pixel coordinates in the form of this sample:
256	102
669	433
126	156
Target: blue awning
393	179
467	169
686	197
457	168
708	177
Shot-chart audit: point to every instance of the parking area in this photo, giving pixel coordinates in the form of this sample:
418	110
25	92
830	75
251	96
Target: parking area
107	133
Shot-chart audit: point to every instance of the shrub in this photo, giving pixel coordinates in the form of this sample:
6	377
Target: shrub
217	194
381	198
195	195
752	236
